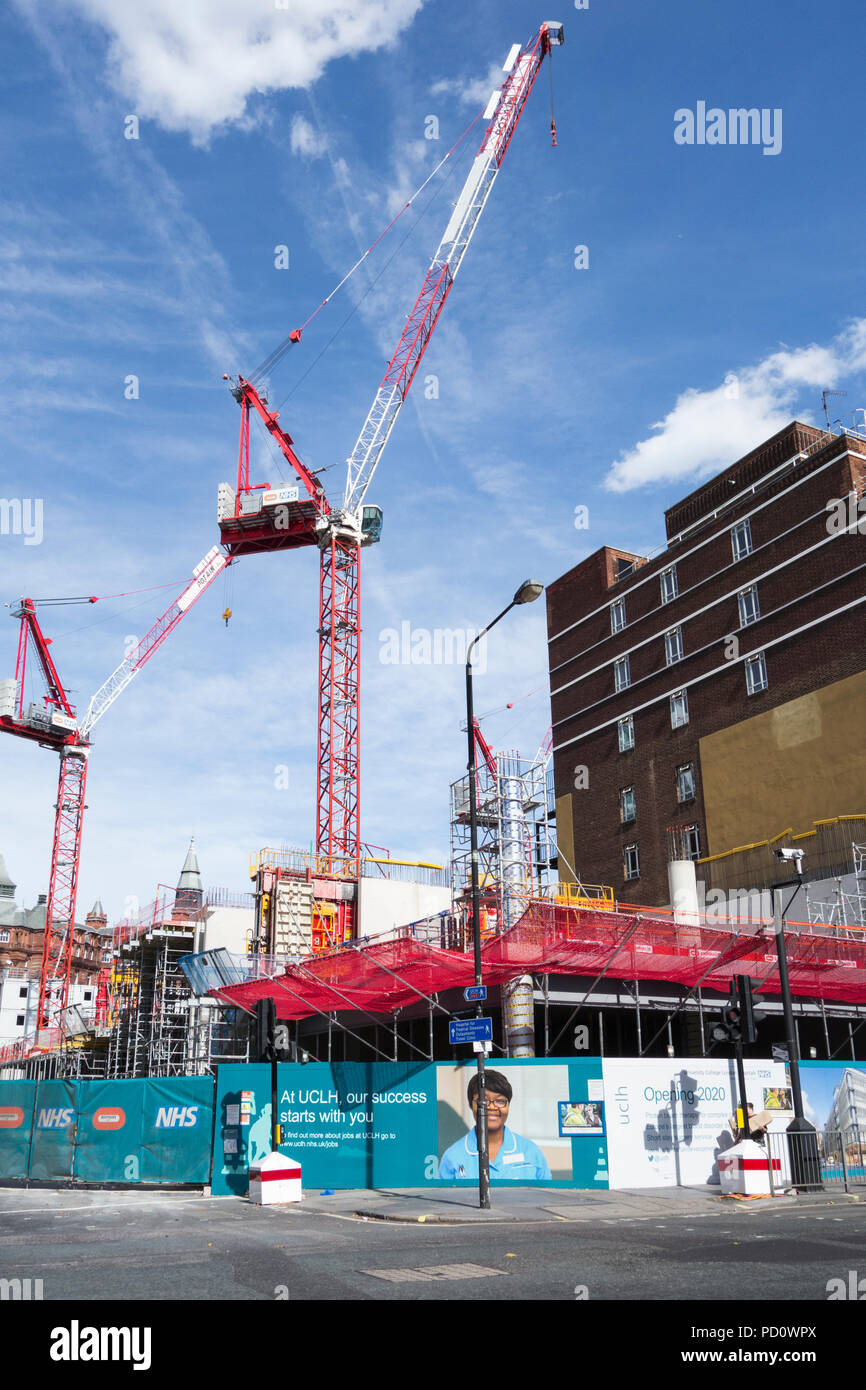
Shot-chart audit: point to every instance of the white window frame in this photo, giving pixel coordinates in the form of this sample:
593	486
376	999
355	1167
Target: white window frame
627	803
748	605
682	695
622	664
741	532
626	725
617	615
5	936
673	654
626	850
670	574
696	831
752	663
686	769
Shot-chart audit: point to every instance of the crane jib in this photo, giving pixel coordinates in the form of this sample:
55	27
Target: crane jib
442	272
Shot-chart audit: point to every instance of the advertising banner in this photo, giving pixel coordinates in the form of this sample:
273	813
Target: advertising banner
109	1131
393	1124
177	1129
16	1117
668	1119
52	1150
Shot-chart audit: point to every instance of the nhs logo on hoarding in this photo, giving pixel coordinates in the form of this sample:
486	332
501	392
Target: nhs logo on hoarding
54	1118
176	1117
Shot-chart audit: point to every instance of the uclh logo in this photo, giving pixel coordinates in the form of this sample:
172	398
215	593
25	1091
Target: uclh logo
54	1118
176	1117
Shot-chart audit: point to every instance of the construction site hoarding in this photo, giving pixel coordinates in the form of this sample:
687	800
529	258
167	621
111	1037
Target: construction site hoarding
148	1130
588	1123
391	1124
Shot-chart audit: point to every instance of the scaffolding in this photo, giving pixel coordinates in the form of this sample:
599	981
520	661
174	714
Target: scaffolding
844	909
516	844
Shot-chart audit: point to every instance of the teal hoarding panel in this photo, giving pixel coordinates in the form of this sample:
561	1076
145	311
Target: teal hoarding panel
389	1124
349	1124
109	1131
177	1129
52	1151
16	1117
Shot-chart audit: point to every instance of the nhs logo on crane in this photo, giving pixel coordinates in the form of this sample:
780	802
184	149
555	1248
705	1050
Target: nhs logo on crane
176	1117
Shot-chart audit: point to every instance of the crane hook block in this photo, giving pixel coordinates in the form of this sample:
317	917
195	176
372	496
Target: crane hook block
295	335
226	615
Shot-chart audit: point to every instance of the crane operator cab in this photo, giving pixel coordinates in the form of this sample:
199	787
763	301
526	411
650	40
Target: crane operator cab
371	525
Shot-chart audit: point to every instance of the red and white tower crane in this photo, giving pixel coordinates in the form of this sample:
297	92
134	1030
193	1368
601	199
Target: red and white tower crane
255	519
54	724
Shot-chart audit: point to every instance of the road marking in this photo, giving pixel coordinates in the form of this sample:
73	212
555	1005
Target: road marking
432	1273
87	1210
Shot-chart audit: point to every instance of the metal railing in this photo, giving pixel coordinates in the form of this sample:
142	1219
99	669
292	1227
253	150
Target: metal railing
816	1160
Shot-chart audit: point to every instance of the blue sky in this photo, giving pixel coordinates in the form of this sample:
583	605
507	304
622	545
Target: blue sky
608	387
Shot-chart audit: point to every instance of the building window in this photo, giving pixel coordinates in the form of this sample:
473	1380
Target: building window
88	995
691	842
22	993
627	805
625	733
668	581
5	936
621	673
674	645
747	601
686	782
19	1021
617	615
741	539
631	862
756	674
679	709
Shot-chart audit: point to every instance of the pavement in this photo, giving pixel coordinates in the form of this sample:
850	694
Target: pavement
539	1244
532	1204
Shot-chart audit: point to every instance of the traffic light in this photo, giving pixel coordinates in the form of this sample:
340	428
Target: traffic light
265	1029
730	1027
749	1015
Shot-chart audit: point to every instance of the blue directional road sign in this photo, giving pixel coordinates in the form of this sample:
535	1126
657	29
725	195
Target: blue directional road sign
468	1030
475	994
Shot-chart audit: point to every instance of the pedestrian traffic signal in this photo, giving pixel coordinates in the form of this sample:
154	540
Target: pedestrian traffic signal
730	1027
749	1015
265	1030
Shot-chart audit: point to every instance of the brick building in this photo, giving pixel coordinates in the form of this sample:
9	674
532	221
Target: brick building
720	685
22	934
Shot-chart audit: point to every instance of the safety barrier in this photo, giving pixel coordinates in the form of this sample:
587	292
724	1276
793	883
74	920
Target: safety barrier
154	1130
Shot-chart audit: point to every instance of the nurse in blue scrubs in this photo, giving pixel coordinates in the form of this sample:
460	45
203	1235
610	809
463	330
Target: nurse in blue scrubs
511	1157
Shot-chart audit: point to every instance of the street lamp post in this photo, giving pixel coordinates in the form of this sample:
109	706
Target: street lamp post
527	593
802	1135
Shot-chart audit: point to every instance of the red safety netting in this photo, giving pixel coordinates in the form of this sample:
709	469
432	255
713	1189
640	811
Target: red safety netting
363	978
550	939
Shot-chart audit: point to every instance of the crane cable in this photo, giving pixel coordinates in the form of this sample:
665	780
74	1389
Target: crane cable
282	348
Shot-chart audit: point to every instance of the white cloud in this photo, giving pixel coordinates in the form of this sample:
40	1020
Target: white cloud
305	141
706	430
194	66
473	91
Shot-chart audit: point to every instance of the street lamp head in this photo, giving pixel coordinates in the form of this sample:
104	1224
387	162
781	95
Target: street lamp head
529	591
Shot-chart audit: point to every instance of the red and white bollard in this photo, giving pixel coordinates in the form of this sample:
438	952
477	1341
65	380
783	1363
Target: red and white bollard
745	1170
277	1179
